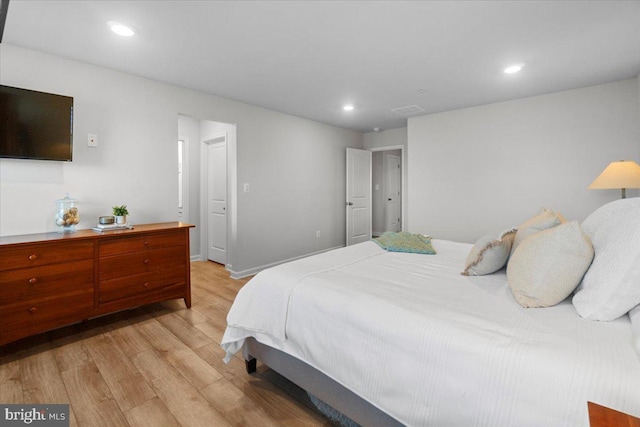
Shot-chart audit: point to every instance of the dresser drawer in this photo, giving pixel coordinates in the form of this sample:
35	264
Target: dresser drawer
140	262
125	287
43	254
141	243
47	280
28	318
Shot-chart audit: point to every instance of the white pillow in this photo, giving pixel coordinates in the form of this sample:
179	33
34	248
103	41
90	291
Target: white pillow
611	287
544	220
489	254
548	265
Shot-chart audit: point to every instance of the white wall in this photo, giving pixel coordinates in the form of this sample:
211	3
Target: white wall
296	166
480	170
385	138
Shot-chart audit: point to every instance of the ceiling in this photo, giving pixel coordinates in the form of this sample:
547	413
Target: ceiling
309	58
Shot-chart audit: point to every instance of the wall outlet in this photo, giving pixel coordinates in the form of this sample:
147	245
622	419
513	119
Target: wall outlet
246	187
318	234
92	140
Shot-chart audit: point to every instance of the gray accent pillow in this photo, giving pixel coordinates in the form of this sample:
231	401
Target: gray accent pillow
547	266
489	254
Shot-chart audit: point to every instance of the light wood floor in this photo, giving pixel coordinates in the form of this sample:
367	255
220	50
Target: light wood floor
158	365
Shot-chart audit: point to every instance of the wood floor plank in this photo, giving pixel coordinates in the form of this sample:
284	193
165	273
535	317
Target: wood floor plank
217	320
237	408
11	392
158	336
188	406
41	379
10	371
127	385
211	329
151	413
199	373
193	338
69	356
93	402
191	316
129	339
11	383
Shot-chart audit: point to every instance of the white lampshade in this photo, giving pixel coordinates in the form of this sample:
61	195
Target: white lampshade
619	175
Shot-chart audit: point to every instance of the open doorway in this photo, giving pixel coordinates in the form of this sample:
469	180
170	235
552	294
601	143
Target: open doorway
387	190
206	178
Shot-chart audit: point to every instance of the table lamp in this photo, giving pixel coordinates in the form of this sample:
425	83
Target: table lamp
622	174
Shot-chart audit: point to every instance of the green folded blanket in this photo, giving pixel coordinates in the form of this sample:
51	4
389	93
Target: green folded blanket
405	242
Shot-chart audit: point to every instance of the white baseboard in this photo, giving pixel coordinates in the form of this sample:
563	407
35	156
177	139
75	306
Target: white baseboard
256	270
195	258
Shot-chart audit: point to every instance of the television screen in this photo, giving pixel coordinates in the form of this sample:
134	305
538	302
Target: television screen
35	125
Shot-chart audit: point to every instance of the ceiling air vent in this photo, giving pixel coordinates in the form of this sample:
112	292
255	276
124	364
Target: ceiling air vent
409	110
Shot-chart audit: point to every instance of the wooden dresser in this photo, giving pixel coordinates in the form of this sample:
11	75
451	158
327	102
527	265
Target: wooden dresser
51	280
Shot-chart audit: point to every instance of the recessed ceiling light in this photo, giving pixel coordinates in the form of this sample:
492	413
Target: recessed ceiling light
513	68
348	107
121	29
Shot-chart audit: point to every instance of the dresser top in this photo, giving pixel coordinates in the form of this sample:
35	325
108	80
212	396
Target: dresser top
90	234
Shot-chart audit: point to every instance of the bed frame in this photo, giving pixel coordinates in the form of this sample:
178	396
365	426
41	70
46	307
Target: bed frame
318	384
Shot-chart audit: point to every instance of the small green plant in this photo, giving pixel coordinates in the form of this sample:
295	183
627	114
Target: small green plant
120	210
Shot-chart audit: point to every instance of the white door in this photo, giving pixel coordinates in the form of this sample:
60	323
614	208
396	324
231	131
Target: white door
392	186
358	196
217	201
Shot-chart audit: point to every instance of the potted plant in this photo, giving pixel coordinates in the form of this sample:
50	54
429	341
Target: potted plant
120	212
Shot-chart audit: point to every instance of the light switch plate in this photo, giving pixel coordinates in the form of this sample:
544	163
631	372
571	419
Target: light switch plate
92	140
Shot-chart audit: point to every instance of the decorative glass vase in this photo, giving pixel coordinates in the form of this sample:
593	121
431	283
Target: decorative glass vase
67	215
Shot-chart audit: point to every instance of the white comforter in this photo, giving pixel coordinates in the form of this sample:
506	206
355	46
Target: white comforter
428	346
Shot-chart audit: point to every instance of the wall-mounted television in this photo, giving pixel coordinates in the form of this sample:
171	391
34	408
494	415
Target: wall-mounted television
35	125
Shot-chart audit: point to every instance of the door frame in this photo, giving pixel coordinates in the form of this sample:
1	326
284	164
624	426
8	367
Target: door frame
403	186
204	183
185	214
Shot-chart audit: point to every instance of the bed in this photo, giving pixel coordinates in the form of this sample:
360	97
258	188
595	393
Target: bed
392	338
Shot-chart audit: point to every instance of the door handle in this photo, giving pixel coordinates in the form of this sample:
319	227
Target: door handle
349	204
389	199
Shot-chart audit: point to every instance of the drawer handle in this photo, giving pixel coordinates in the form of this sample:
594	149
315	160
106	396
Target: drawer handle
146	261
33	280
146	243
33	257
146	284
33	310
